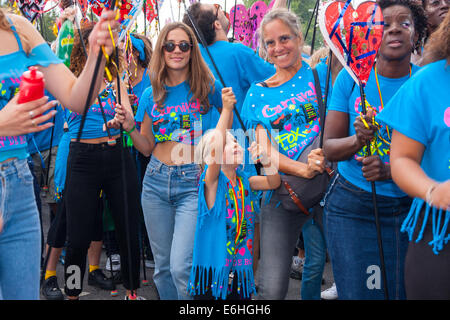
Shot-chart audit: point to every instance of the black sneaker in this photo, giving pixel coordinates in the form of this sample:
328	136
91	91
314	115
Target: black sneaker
50	289
98	279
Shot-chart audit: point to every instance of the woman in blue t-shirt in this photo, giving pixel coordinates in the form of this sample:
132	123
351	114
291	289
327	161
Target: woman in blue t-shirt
349	214
22	46
283	109
95	164
179	107
420	158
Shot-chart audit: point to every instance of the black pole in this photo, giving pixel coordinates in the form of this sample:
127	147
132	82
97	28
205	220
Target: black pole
375	207
203	42
98	96
327	89
157	16
316	6
314	30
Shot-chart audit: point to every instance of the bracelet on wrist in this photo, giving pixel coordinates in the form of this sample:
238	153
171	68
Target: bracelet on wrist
132	129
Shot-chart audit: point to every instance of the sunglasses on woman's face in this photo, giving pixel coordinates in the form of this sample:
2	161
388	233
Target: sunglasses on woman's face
184	46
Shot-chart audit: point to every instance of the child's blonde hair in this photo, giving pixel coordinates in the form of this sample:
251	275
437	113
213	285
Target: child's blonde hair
204	148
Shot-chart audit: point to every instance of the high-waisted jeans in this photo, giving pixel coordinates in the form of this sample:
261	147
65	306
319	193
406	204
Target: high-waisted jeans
92	168
20	240
351	237
169	202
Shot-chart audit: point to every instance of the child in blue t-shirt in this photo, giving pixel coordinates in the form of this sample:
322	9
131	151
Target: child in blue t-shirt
222	261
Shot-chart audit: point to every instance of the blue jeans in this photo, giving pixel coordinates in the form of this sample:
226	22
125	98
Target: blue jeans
351	237
315	256
20	240
169	202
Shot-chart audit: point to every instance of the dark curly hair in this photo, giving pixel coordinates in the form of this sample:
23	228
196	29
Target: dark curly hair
419	17
78	57
438	46
204	19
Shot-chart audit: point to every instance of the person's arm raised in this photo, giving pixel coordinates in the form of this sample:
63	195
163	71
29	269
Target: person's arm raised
72	92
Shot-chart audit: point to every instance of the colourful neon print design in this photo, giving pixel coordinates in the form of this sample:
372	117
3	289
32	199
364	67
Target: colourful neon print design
180	123
296	121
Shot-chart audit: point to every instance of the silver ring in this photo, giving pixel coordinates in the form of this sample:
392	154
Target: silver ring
31	113
318	162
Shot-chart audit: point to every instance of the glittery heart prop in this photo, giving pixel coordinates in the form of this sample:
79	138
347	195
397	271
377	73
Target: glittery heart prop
30	8
83	6
125	7
239	19
256	13
354	36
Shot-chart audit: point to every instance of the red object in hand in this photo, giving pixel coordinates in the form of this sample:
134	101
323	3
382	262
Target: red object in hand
31	86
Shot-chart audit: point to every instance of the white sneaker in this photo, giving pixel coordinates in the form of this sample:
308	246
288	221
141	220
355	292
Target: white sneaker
330	293
115	258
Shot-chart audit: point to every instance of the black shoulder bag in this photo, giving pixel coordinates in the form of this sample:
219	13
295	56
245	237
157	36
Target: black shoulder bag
298	193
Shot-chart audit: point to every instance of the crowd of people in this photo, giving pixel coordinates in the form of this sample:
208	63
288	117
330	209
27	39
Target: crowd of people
188	153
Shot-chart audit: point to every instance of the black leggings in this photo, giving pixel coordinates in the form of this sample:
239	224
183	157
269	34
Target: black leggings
91	168
427	275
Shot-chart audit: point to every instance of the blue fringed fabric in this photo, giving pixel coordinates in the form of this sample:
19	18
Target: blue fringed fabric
440	221
212	262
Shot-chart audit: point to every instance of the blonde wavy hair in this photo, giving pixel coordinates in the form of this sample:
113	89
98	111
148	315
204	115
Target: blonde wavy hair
200	78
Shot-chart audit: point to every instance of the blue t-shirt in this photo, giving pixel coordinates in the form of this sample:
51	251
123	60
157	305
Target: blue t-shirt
180	120
346	98
12	66
239	66
40	141
288	112
421	111
93	127
138	90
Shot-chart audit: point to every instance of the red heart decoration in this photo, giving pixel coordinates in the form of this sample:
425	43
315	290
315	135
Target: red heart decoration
151	10
354	36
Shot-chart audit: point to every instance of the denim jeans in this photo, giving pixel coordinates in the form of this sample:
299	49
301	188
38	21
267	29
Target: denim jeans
280	230
20	240
351	238
169	202
315	255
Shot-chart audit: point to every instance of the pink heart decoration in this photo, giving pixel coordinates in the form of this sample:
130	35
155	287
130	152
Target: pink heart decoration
242	25
230	213
354	36
242	251
256	14
288	127
162	130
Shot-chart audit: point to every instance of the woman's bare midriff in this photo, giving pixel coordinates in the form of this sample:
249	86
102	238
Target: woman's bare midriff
173	153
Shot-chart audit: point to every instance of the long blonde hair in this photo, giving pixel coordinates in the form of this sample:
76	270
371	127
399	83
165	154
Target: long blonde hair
200	78
5	25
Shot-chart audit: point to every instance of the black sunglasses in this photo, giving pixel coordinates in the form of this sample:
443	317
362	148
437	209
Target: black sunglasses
184	46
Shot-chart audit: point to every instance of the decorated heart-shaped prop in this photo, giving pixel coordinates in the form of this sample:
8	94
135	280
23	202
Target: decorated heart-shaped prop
354	35
98	5
256	13
151	12
83	7
30	8
239	19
